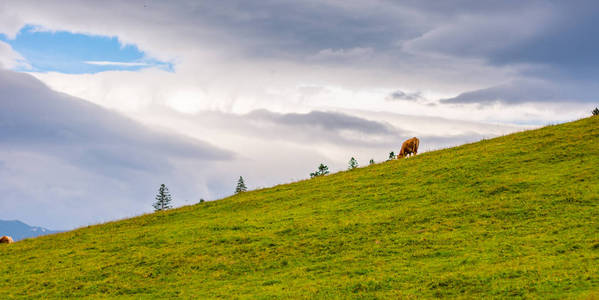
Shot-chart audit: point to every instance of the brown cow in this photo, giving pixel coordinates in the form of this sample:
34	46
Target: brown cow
6	240
409	147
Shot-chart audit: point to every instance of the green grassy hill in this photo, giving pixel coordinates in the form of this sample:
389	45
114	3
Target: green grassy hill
512	216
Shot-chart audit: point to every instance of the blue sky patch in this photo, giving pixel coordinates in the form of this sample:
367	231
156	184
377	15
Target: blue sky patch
75	53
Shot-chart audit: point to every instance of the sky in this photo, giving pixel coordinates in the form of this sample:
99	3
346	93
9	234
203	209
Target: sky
103	101
75	53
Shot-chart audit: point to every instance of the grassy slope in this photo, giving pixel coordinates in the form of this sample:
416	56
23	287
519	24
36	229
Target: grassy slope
512	216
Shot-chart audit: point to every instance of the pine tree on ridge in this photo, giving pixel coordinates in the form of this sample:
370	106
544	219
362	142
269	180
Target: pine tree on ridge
163	199
240	186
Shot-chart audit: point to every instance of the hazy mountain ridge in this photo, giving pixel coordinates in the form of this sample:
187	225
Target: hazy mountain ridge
19	230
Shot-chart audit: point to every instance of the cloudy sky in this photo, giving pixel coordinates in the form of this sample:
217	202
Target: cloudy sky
102	101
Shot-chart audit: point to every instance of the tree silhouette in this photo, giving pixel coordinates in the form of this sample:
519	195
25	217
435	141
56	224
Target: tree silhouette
391	155
163	199
371	162
322	170
240	186
353	163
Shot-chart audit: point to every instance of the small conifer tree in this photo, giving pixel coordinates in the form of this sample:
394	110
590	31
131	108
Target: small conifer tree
163	199
202	200
391	155
240	186
371	162
322	170
596	111
353	163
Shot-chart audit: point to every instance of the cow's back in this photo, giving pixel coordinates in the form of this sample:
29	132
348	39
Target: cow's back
412	144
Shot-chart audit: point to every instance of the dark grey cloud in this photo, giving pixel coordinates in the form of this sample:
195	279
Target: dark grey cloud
316	127
284	28
569	43
321	120
401	95
84	163
559	35
550	41
337	27
526	91
322	128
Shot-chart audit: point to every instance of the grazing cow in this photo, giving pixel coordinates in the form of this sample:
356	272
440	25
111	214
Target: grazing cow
409	147
6	240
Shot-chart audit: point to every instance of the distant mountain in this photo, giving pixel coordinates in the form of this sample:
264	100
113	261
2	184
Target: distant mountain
19	230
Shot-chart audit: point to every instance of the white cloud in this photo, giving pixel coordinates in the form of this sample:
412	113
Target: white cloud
10	59
117	63
10	22
479	35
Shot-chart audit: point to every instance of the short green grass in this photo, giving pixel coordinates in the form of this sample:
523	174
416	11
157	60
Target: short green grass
514	216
